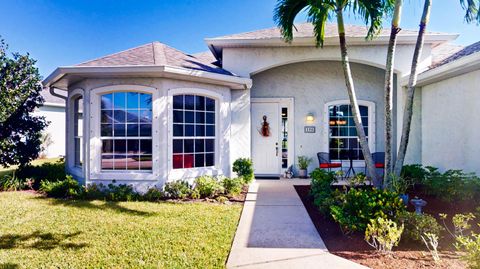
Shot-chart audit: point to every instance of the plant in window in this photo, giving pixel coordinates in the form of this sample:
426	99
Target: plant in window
244	169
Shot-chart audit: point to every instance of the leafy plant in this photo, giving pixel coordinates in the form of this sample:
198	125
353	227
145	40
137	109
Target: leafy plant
11	183
321	189
177	189
208	187
359	179
153	195
232	186
418	225
304	162
47	171
222	199
94	192
354	209
68	188
397	184
431	242
383	234
470	247
244	169
121	192
452	185
415	173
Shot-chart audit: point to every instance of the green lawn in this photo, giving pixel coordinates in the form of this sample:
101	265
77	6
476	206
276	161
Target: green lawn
9	170
40	232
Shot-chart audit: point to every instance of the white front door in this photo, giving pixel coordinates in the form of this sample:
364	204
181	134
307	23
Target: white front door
266	138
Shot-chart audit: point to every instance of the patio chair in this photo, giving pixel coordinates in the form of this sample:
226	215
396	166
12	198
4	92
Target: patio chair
325	162
378	160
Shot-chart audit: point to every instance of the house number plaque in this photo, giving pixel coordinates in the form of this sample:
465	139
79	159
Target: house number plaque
309	129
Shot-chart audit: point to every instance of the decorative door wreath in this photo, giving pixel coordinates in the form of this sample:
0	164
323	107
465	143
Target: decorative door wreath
265	129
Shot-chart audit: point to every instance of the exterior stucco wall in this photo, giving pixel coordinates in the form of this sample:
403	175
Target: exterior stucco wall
312	85
451	123
56	129
161	86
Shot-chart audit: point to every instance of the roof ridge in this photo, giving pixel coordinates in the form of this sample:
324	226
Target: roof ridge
119	52
158	53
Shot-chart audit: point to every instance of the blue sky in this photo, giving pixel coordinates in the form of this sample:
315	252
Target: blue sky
59	33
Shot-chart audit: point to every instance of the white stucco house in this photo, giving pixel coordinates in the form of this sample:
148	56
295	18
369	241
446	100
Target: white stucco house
153	114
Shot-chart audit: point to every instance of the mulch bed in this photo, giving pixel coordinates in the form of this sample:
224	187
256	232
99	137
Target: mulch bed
410	255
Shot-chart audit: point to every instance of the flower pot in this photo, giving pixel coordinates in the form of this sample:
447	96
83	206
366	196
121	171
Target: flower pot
404	198
302	173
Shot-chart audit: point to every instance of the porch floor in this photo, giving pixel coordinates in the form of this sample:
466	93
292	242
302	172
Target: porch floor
275	231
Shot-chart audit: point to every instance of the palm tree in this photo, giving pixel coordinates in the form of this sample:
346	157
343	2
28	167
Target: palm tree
395	29
318	11
472	15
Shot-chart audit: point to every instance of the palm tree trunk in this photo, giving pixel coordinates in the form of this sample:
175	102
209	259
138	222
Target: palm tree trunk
412	82
353	99
389	87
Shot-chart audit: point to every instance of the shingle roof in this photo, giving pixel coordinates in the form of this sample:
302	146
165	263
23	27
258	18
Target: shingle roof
306	30
448	53
157	53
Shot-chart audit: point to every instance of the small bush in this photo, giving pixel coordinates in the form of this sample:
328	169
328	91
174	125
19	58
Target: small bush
68	188
121	192
470	247
244	169
12	183
47	171
383	234
95	192
415	173
354	209
153	195
208	187
418	225
321	189
232	186
178	189
452	185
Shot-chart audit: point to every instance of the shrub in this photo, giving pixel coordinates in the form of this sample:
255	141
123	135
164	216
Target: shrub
208	186
11	183
470	246
153	195
383	234
121	192
452	185
47	171
94	192
232	186
417	226
67	188
397	184
415	173
354	209
178	189
321	189
244	169
304	162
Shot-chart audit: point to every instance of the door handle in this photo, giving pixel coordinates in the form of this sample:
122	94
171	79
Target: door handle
276	149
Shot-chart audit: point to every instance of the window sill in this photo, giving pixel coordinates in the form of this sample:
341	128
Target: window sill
124	175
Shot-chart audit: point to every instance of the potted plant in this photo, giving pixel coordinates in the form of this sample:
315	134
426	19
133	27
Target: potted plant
303	163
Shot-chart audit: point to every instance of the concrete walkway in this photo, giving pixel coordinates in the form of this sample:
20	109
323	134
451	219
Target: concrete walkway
275	231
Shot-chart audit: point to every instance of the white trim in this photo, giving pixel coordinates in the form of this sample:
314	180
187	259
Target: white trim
231	81
288	102
96	172
221	108
371	126
52	104
70	145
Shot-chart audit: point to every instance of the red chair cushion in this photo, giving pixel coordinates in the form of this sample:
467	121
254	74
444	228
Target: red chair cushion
380	165
330	165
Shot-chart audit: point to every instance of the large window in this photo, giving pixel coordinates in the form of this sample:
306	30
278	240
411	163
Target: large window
344	143
78	130
193	131
126	131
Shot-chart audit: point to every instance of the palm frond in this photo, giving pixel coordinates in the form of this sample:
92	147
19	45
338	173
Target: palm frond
318	14
471	10
285	13
372	13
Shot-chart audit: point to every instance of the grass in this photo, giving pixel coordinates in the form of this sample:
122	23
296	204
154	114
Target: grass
10	169
37	232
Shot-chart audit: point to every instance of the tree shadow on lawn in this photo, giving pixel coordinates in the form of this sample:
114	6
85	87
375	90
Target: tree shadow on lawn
8	265
39	240
88	204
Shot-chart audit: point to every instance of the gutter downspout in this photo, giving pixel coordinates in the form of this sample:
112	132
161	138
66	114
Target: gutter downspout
52	92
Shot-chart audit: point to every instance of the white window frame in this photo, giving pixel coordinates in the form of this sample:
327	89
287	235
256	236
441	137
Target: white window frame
371	127
187	173
70	150
96	172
